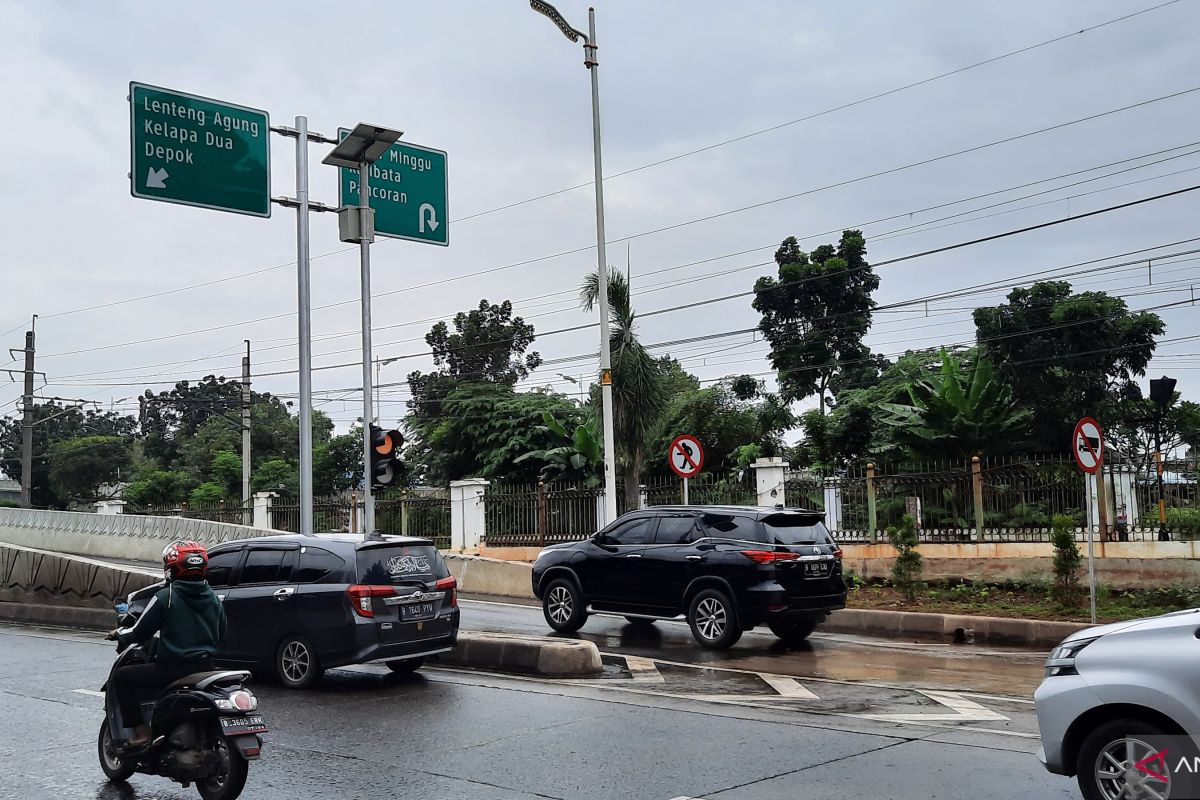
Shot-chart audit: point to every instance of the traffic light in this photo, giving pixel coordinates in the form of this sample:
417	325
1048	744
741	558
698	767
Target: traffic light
386	466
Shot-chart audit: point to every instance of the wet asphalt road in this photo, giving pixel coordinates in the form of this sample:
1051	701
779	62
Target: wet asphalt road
453	734
974	668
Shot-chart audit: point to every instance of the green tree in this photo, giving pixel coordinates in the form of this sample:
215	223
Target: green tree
815	313
1065	354
53	423
338	463
577	458
79	467
226	472
637	380
1067	560
908	566
964	411
207	494
276	475
158	488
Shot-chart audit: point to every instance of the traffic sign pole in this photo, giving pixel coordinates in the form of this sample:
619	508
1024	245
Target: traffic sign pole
304	315
685	492
364	250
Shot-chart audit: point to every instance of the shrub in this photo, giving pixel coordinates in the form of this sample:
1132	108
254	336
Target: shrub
906	572
1067	561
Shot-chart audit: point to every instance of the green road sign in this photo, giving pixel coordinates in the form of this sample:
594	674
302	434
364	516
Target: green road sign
199	152
408	192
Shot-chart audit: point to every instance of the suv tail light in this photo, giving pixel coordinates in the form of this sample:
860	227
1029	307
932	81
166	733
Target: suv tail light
769	556
450	586
837	553
360	598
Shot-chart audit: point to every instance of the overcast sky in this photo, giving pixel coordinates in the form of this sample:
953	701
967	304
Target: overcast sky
499	88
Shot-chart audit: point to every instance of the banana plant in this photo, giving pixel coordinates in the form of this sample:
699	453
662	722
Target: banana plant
577	460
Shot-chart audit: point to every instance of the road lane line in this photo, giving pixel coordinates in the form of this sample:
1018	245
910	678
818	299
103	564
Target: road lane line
642	670
88	692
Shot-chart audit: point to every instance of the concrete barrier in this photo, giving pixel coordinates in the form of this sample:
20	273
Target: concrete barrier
950	627
126	537
29	575
527	655
492	576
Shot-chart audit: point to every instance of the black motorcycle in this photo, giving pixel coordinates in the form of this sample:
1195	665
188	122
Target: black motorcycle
203	728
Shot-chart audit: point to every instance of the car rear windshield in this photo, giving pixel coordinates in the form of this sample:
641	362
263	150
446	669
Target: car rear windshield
796	529
384	565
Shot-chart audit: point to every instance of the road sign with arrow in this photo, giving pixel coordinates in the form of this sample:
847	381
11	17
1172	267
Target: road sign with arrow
408	192
199	152
686	456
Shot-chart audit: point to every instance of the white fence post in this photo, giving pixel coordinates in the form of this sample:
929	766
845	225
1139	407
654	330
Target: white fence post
468	522
770	476
262	510
107	508
833	504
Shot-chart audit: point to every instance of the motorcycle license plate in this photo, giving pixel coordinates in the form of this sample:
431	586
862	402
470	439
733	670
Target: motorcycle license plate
416	611
816	569
238	725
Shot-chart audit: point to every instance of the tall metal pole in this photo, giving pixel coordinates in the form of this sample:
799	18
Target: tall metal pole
305	316
1158	458
364	251
27	421
247	507
606	390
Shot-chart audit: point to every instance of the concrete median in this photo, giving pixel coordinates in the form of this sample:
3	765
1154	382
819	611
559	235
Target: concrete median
527	655
491	576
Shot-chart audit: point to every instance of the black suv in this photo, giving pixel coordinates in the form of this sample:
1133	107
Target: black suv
298	605
725	568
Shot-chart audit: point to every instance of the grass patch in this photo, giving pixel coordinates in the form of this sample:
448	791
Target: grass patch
1029	600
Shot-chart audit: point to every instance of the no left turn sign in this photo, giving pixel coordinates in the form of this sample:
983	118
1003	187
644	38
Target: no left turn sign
686	456
1087	445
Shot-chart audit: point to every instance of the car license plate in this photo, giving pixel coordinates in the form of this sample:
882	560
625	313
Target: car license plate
816	569
415	611
239	725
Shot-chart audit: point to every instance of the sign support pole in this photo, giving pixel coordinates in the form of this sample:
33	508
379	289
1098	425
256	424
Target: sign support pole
364	250
685	492
304	308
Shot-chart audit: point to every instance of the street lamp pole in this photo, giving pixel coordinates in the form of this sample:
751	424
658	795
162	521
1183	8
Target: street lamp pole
606	391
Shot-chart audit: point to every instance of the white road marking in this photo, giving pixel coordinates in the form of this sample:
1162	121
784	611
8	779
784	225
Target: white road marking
787	687
964	710
642	670
88	692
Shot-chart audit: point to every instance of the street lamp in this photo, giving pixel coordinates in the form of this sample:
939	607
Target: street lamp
361	148
606	393
1162	392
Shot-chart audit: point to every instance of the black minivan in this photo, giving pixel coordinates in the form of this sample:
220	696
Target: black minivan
724	569
298	605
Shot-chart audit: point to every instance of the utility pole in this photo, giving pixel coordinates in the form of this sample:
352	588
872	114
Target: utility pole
27	420
247	507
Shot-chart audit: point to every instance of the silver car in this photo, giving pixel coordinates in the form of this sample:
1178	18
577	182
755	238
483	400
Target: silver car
1120	708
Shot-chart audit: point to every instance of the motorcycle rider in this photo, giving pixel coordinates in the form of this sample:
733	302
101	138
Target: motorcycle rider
190	623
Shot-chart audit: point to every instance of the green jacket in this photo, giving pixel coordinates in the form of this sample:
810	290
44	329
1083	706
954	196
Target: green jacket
188	618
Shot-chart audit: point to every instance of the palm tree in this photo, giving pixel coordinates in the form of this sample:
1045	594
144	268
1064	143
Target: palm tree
638	399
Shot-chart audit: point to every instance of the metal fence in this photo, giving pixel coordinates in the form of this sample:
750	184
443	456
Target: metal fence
521	515
231	513
395	513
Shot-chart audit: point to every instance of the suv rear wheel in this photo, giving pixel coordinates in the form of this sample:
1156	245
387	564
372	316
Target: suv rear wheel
405	666
562	605
713	620
296	663
794	631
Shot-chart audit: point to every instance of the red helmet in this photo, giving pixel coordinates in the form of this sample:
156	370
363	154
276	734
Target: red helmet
185	559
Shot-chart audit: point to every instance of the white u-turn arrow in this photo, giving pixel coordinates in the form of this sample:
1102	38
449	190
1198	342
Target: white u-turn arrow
433	220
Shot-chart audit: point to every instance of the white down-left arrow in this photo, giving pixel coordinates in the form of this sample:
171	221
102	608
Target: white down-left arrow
156	178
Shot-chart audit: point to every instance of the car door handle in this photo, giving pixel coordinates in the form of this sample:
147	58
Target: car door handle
283	594
633	555
695	558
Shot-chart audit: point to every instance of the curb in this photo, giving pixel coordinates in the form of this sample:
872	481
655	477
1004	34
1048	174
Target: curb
528	655
955	627
92	619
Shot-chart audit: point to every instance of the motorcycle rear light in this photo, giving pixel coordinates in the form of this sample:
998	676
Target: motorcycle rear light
769	556
360	598
244	701
450	586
